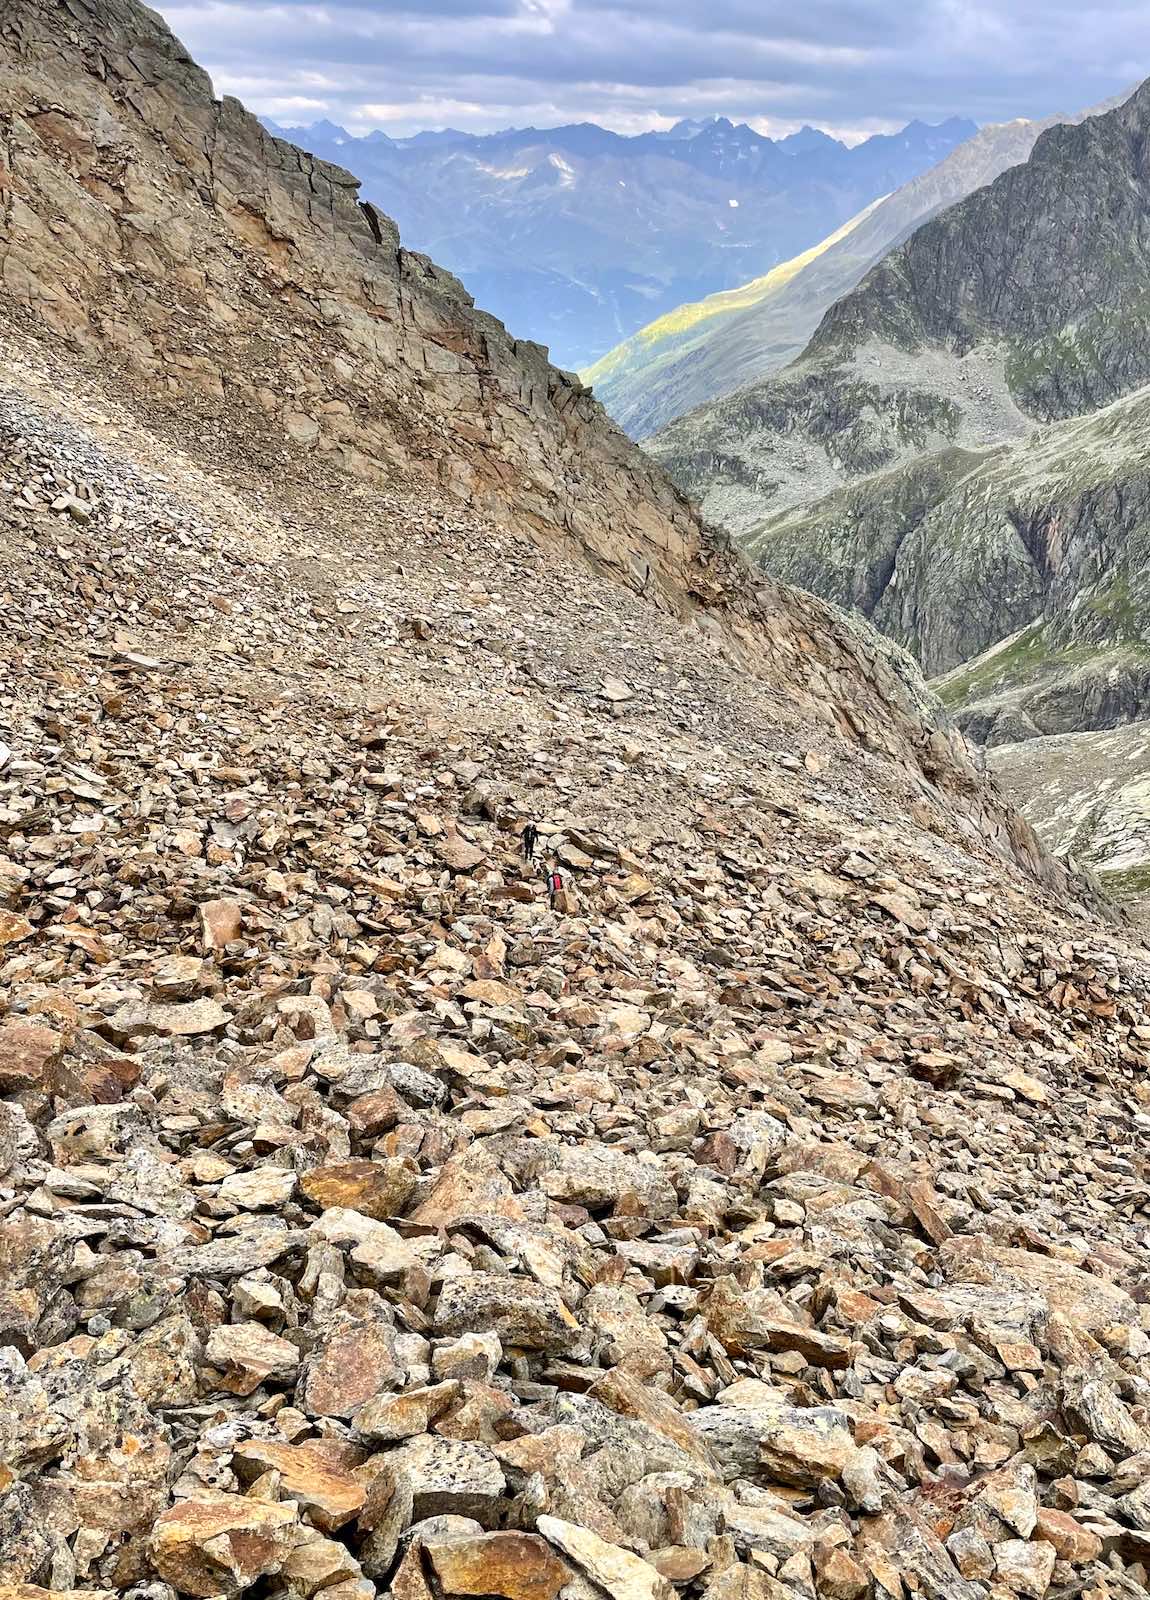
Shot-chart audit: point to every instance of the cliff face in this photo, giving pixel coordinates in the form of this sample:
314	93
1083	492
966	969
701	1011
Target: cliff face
1050	261
959	550
146	222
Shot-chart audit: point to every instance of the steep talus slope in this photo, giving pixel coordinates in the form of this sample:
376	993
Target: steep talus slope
684	361
374	1223
239	283
757	1212
1024	301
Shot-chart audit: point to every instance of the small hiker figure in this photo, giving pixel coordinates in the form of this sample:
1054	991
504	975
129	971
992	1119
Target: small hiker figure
554	886
530	840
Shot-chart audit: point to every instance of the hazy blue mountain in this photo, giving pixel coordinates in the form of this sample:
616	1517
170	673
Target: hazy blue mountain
577	236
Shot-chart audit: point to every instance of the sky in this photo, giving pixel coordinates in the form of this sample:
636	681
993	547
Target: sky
852	67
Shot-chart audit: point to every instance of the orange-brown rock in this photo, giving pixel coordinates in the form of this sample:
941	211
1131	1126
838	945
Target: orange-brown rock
29	1054
391	1417
249	1354
1072	1542
838	1576
514	1566
222	1545
326	1492
13	928
354	1364
221	921
379	1189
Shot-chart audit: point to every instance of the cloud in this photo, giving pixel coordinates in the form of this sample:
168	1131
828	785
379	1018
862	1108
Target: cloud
852	65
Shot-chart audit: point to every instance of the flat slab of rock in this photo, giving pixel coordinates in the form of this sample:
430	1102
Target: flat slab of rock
261	1189
222	1545
514	1566
352	1365
519	1310
182	1020
391	1417
597	1176
327	1492
378	1189
450	1477
1088	1301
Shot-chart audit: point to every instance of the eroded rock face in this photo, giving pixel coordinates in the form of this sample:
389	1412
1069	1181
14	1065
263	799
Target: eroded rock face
401	372
943	286
1018	576
961	550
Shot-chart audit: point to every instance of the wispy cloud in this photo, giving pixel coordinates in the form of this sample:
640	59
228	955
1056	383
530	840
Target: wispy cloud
848	65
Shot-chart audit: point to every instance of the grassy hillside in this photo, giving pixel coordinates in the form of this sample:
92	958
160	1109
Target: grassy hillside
670	335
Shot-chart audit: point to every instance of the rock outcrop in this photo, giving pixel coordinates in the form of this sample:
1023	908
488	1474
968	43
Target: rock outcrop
152	225
1045	263
960	550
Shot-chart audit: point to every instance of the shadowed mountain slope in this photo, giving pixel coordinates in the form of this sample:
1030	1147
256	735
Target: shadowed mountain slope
701	353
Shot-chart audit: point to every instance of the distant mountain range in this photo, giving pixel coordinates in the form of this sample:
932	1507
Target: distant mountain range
577	237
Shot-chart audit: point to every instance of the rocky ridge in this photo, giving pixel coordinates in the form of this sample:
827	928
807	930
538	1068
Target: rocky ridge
756	1213
698	354
229	272
1021	303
